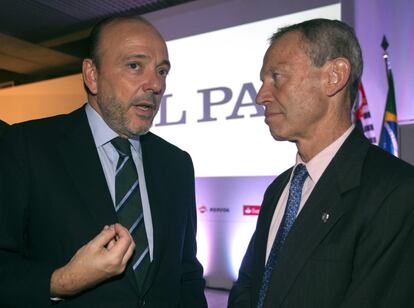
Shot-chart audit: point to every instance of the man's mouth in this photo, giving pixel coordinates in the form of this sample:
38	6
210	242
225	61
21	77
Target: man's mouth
145	107
273	113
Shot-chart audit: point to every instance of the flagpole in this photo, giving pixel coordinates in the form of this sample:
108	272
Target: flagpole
384	46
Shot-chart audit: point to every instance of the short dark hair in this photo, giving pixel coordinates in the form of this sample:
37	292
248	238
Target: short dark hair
95	34
324	40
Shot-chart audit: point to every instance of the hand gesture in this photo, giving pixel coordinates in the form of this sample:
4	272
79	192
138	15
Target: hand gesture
103	257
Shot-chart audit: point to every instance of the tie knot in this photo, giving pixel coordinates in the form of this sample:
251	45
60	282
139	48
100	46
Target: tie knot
300	174
122	145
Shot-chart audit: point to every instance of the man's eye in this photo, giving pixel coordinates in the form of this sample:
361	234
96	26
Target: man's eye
163	72
275	76
133	66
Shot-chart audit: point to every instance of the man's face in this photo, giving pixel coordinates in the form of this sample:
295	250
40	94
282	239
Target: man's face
130	79
291	91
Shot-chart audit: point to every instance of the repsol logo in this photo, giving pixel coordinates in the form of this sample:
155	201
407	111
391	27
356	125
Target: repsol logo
220	209
203	209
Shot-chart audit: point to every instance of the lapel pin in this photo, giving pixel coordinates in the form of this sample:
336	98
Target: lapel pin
325	217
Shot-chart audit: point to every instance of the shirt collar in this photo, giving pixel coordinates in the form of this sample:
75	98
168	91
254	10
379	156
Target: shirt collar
102	133
317	165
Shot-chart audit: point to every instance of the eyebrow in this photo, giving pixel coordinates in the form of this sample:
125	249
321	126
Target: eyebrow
165	62
143	57
137	56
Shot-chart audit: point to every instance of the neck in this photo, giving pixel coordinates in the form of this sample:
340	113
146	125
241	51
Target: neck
309	148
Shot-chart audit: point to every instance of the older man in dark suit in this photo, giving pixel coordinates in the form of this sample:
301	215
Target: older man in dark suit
336	230
95	211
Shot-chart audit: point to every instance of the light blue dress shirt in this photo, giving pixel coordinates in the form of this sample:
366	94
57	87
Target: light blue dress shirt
103	134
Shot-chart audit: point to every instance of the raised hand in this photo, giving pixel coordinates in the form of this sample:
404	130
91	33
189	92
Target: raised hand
103	257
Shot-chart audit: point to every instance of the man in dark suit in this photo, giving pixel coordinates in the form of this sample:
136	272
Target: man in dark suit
3	126
63	240
337	230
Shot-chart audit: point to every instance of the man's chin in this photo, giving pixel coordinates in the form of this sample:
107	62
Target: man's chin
282	138
277	136
139	131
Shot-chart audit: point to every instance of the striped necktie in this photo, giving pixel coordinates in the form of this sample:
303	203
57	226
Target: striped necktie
292	206
128	206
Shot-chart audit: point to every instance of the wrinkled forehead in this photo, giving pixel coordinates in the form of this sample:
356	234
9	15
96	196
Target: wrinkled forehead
288	45
287	41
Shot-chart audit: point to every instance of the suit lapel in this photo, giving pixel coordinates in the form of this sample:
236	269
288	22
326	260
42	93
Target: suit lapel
261	234
265	219
342	175
82	163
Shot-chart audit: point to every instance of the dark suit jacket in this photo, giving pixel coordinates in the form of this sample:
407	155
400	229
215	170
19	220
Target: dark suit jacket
362	256
3	126
54	199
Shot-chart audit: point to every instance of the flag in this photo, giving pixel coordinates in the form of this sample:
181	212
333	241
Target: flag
362	116
389	134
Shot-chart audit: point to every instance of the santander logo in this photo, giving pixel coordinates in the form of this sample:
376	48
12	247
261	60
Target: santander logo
251	210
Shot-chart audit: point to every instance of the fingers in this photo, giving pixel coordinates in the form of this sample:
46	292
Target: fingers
129	252
103	257
105	236
111	244
121	231
118	242
123	241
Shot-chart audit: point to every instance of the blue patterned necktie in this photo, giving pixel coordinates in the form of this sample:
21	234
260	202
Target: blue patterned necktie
128	206
292	206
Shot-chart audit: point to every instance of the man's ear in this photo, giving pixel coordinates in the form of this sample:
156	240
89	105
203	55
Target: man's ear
90	75
337	75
